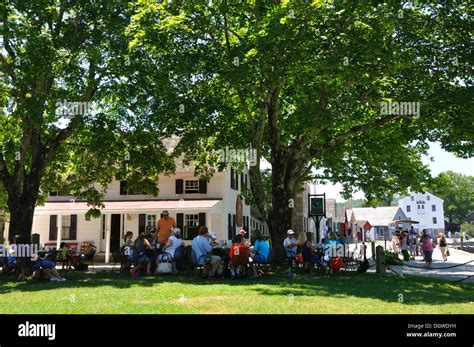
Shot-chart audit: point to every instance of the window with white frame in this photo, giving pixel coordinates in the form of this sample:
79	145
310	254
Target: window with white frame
191	220
412	198
408	208
428	197
435	220
433	208
151	221
66	227
191	186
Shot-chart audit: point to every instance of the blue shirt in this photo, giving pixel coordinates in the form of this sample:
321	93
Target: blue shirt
201	247
288	242
262	248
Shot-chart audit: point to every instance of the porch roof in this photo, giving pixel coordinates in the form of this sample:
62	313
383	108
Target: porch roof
128	206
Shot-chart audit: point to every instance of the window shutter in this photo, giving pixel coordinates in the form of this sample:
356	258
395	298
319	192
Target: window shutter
73	227
242	181
123	188
236	180
141	222
234	226
179	186
53	227
180	222
202	187
202	219
232	183
229	226
246	181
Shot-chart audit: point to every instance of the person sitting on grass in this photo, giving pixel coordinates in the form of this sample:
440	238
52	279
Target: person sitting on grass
238	256
48	268
141	246
203	251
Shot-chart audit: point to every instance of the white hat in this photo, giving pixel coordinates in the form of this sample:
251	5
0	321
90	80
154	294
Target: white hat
213	235
290	232
176	231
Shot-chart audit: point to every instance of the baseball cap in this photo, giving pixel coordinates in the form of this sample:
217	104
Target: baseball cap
290	232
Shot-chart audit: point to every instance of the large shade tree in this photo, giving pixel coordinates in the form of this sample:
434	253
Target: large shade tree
457	191
57	51
302	82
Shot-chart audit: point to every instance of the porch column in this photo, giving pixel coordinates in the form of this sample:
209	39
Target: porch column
60	230
108	219
209	220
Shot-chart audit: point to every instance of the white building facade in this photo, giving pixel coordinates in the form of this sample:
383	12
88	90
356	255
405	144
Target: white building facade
425	208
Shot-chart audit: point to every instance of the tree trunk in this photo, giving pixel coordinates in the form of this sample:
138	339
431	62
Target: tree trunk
279	223
21	214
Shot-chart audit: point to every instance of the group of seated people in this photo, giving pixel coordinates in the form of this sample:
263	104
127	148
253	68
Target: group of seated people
242	255
145	252
323	255
23	260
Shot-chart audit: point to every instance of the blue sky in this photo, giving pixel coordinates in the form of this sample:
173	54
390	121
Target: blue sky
442	161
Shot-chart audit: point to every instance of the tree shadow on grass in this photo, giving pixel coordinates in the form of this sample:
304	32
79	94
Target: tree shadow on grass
415	290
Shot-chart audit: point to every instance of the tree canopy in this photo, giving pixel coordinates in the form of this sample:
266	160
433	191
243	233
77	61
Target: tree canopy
63	123
305	83
457	191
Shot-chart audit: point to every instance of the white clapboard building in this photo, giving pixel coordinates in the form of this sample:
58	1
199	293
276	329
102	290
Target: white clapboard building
190	201
425	208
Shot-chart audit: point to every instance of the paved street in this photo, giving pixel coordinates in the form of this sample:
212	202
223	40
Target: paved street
441	269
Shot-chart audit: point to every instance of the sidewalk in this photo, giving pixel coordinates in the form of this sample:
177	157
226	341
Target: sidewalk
442	269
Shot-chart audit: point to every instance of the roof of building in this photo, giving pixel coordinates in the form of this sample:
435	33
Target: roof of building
127	206
376	216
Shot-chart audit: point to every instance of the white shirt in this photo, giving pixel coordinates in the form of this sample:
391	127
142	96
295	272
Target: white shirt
175	243
289	241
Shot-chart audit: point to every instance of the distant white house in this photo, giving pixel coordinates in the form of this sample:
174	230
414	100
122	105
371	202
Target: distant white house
425	208
376	223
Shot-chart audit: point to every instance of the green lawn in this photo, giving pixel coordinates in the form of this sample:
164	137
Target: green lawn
108	292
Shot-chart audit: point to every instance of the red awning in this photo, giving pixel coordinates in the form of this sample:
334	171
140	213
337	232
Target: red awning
127	206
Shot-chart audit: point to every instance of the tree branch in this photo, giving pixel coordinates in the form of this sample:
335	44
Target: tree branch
341	138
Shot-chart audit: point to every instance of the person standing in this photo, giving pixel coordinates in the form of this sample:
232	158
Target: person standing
164	229
427	248
442	246
405	246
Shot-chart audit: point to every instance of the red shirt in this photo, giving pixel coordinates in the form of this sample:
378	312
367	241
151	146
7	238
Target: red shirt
239	254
